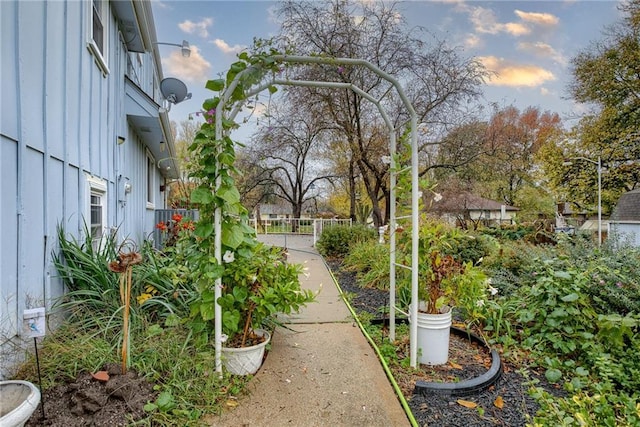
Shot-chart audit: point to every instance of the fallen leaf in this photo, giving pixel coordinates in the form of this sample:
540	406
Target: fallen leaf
467	404
455	365
231	403
101	376
498	403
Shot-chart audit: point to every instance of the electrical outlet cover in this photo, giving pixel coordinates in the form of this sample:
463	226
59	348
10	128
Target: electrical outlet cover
33	324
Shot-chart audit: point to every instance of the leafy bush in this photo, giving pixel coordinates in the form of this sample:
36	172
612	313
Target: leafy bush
335	241
370	261
571	307
515	232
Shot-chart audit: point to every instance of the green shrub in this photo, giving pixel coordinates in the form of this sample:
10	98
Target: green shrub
370	261
335	241
475	247
571	307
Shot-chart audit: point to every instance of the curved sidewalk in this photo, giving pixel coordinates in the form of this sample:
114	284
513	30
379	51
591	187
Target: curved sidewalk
320	370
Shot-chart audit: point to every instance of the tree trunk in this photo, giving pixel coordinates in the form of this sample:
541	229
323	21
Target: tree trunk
352	192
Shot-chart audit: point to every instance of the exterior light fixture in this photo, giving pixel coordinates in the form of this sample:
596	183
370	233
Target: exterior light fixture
121	140
184	47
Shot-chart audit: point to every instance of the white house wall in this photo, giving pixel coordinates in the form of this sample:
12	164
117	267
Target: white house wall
60	119
626	232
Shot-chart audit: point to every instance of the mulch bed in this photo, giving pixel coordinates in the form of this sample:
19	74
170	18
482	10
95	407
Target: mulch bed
505	403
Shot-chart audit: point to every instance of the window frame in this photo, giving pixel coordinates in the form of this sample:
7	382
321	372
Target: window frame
96	187
100	54
150	180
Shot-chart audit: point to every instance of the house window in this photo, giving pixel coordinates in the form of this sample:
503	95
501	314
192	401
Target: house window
97	209
150	182
98	32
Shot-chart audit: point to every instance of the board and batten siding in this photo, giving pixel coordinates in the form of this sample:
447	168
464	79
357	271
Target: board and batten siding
61	114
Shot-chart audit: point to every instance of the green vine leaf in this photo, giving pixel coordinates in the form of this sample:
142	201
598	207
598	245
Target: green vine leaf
215	85
207	310
229	194
203	230
202	196
232	236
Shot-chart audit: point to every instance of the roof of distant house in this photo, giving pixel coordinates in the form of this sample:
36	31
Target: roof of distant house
628	207
455	202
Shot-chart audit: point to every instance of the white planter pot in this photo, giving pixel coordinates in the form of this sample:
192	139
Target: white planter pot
433	338
245	360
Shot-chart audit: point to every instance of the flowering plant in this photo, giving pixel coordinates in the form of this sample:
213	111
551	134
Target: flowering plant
256	282
172	228
447	277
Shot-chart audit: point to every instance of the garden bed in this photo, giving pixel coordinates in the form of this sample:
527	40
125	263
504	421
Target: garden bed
506	402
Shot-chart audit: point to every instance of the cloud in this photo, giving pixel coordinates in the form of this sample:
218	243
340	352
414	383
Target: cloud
515	75
194	68
472	41
543	50
484	21
199	28
226	49
542	19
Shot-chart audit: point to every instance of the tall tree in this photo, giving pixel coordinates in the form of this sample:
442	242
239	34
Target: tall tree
179	190
499	158
435	77
288	150
607	76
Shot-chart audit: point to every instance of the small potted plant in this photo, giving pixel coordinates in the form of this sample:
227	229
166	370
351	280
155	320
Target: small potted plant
446	280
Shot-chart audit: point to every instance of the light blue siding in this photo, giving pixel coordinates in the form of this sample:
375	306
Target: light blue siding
8	237
60	119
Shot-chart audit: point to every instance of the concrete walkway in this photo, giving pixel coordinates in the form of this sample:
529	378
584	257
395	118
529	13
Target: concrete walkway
321	371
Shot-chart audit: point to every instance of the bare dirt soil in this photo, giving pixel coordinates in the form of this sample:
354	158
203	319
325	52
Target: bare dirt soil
88	401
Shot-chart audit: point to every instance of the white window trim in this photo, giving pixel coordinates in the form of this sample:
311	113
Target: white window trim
150	180
96	185
100	58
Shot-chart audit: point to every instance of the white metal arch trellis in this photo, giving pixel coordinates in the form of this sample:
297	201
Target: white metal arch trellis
415	194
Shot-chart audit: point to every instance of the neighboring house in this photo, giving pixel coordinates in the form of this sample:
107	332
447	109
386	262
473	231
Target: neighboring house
624	223
461	208
82	138
266	212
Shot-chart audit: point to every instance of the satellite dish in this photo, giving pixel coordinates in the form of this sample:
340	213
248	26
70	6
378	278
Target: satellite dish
174	90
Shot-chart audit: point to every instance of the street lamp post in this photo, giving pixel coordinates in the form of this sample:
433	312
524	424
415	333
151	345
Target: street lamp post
598	164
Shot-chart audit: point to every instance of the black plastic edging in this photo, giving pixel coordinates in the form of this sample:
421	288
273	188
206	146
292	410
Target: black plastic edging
467	387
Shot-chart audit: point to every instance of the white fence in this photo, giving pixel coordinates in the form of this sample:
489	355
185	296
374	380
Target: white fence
306	226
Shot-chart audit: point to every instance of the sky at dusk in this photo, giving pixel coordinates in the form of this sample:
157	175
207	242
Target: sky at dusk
528	44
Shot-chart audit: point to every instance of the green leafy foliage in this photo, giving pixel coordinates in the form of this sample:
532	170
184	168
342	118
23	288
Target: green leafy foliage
256	283
336	241
447	274
561	310
370	261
